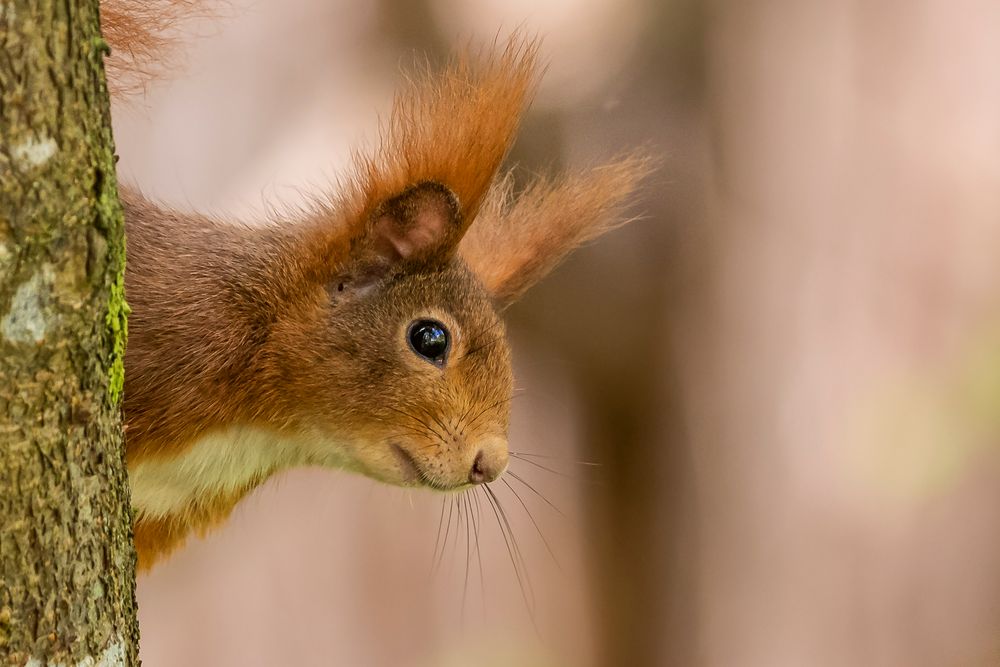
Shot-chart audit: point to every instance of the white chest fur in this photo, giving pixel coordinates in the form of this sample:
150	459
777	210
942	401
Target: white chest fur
220	463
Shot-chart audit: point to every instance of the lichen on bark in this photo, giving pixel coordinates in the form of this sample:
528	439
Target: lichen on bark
66	557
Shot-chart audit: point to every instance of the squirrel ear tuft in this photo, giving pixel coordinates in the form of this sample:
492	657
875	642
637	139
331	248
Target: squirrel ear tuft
517	240
421	224
412	194
452	128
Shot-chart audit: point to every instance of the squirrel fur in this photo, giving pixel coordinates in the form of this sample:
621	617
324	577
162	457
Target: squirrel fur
253	348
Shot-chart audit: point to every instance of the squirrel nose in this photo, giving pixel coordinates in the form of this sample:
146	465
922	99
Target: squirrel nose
489	463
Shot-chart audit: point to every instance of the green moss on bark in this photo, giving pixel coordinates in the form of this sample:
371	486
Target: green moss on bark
110	211
66	557
118	310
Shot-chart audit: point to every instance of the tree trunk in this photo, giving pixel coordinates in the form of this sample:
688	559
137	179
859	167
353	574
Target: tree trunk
67	582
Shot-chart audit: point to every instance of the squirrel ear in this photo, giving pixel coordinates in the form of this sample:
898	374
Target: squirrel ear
410	196
421	224
516	241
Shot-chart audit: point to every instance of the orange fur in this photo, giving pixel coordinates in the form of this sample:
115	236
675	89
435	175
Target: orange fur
519	239
156	539
143	38
296	329
453	128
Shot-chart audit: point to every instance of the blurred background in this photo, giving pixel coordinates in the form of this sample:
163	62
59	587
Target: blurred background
788	370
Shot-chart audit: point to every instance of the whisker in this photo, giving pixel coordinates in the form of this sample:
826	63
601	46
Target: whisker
517	547
547	469
477	519
496	325
482	413
437	540
536	492
510	552
458	524
419	421
481	335
485	346
406	427
440	423
548	547
468	549
447	531
467	422
468	410
555	458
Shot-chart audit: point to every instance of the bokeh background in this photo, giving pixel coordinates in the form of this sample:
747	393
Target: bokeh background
788	370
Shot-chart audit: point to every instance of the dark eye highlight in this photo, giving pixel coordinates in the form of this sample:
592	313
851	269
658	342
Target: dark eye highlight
430	340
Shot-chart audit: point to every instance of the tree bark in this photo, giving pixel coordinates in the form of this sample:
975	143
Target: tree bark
67	581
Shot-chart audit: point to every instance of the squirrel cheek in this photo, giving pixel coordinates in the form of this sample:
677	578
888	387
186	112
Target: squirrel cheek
407	470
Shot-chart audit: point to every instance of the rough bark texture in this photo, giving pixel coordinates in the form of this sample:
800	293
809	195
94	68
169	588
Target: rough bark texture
66	557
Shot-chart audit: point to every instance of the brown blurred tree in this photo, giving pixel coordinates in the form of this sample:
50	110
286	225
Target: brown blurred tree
67	583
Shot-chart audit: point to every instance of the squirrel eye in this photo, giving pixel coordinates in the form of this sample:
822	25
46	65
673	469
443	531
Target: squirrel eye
429	339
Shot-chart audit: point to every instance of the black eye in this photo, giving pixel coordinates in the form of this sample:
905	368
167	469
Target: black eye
429	339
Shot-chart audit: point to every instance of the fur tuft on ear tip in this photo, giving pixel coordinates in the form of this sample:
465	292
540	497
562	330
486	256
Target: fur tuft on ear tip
453	127
517	240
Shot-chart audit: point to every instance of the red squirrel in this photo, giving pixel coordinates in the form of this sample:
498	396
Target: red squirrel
362	332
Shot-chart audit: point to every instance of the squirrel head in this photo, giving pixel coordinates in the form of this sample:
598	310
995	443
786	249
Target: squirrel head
400	353
362	333
401	357
369	330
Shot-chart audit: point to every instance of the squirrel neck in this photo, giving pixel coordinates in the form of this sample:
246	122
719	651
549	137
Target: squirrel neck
205	296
